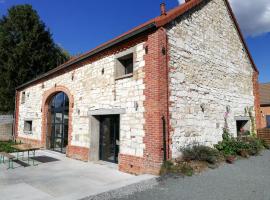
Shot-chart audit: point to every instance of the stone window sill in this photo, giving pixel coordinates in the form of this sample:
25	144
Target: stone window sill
28	132
124	76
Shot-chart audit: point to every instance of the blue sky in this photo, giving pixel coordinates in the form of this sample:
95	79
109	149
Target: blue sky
80	25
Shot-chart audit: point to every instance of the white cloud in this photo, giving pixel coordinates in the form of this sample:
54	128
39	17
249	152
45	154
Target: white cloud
253	16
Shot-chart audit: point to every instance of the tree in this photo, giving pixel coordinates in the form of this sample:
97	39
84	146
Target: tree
26	51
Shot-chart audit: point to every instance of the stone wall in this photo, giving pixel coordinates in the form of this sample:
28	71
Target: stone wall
210	73
93	86
6	127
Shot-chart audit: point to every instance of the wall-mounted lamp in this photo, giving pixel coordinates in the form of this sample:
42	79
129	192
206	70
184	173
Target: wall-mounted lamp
203	107
72	76
146	50
228	109
136	106
163	51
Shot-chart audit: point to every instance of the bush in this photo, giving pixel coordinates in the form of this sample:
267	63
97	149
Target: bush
231	146
234	146
6	146
201	153
255	146
183	168
265	144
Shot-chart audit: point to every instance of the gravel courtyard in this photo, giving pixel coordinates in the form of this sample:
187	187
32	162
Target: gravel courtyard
244	180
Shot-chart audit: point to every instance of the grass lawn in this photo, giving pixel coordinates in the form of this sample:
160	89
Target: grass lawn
6	146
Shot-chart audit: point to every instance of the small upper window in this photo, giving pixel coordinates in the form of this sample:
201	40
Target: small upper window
23	97
124	65
268	121
27	127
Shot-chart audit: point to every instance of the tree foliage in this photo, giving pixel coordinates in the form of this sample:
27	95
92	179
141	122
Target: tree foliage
26	51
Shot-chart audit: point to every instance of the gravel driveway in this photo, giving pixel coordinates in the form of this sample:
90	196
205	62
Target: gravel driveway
244	180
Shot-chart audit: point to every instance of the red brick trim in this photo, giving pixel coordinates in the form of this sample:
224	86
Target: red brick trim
131	164
156	102
47	96
256	100
79	153
80	63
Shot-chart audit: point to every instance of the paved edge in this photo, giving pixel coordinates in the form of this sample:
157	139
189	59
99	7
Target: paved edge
125	191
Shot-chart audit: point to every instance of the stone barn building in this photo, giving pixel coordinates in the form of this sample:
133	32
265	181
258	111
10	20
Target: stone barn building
139	98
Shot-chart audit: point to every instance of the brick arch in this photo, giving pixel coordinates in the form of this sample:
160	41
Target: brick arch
46	98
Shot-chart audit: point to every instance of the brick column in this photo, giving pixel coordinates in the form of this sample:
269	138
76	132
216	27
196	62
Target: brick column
257	99
156	103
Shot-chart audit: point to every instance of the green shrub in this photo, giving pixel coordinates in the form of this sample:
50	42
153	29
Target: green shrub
201	153
231	146
255	146
6	146
265	144
236	146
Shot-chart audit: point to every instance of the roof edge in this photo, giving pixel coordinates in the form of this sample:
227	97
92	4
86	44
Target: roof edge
100	48
151	24
241	35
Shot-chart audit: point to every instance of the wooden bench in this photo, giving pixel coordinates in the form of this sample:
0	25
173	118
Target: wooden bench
10	158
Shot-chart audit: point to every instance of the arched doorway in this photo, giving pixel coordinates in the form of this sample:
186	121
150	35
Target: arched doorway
58	120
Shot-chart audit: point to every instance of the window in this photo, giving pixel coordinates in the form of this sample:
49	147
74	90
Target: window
124	65
243	127
23	97
27	127
268	121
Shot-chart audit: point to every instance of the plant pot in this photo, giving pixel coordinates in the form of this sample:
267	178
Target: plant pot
230	159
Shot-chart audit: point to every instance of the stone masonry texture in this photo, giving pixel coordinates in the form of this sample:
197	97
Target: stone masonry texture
210	73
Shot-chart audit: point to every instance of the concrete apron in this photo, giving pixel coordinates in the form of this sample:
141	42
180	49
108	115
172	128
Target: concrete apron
68	179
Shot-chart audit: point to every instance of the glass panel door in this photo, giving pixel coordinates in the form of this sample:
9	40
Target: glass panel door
109	138
59	122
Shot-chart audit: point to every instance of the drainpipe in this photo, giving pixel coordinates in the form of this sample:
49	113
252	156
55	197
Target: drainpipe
167	118
164	139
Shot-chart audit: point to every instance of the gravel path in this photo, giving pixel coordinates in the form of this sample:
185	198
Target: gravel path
244	180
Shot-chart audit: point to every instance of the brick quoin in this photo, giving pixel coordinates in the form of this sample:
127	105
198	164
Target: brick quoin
257	99
80	153
156	107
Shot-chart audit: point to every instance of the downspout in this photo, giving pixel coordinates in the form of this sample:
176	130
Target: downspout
164	139
165	119
168	94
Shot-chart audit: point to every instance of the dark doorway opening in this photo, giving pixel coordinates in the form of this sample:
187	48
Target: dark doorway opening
243	127
57	134
109	138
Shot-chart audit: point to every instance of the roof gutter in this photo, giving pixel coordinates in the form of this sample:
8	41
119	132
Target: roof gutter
91	53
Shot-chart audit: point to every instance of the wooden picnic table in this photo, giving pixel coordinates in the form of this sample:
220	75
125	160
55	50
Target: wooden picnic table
26	148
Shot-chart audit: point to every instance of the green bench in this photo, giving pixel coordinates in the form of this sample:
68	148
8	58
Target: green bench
10	158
